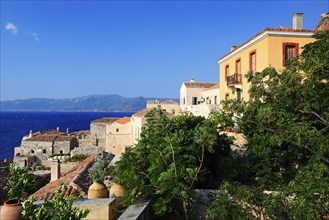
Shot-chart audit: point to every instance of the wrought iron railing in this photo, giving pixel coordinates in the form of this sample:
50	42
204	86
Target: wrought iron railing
234	79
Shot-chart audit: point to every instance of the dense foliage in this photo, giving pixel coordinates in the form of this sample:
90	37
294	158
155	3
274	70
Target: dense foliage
287	129
20	182
101	167
173	156
59	208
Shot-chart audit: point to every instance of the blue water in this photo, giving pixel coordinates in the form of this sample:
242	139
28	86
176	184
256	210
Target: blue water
14	125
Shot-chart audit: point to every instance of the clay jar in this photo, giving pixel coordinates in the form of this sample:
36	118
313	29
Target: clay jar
11	210
98	190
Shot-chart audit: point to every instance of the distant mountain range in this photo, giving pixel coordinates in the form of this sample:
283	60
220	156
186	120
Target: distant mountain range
114	103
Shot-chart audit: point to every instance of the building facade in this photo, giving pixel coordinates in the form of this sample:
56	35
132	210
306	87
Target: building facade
98	131
273	47
119	136
199	98
169	106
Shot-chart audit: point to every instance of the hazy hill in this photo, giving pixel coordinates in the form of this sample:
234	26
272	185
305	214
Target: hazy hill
85	103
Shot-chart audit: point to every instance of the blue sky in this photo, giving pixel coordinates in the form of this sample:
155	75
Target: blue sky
66	49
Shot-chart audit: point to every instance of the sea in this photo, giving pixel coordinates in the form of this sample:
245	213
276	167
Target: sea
15	125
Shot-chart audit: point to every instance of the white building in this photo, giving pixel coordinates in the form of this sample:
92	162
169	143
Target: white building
199	98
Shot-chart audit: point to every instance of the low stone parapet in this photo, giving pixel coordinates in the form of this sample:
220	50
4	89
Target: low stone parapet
100	209
139	211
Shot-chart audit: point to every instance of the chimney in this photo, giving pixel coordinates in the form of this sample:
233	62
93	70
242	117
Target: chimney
297	21
55	170
192	79
31	134
57	129
67	130
233	47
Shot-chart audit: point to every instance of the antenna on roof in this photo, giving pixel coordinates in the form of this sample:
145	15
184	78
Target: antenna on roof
192	79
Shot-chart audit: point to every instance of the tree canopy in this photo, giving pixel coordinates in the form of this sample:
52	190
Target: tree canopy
173	156
287	130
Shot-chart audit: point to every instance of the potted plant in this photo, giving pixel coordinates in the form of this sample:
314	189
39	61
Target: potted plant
57	208
20	182
34	166
97	172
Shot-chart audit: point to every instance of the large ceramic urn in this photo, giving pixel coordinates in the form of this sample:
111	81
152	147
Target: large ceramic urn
117	191
11	210
98	190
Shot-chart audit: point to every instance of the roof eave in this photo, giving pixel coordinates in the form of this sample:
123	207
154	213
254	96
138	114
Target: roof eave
261	37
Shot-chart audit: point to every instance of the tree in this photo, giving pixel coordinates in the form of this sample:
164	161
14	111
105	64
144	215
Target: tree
20	182
287	129
169	160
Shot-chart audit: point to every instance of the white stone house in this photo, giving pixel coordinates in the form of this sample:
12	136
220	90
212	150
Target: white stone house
199	98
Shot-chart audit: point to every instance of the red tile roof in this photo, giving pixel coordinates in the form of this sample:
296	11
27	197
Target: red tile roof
143	112
123	120
77	180
279	29
49	138
104	120
169	102
213	87
199	84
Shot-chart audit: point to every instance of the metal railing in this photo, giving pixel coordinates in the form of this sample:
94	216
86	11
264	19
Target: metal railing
234	79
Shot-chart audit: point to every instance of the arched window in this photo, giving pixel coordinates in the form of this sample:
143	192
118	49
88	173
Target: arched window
32	151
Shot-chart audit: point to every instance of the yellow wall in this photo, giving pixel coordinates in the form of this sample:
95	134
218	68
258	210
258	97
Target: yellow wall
275	49
262	55
268	53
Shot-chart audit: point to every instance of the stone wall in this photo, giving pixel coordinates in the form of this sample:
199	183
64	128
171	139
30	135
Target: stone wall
64	147
98	134
40	149
86	150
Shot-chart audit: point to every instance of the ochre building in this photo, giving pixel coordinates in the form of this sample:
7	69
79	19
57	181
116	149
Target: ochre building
273	47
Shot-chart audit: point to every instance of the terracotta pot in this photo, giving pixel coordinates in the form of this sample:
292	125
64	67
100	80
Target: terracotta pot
117	190
11	210
98	190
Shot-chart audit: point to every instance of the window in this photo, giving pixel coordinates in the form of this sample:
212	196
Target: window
117	130
183	101
61	151
289	51
227	71
32	151
215	100
252	61
194	100
238	66
44	151
173	111
227	96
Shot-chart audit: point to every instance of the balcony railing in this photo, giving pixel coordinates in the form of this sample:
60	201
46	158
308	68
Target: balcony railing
234	79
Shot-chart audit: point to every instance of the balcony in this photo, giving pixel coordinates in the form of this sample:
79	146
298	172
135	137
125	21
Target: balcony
234	79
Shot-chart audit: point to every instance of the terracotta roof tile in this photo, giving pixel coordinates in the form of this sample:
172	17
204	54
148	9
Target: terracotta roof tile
123	120
49	138
279	29
199	84
104	120
63	138
169	102
77	180
213	87
43	138
143	113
